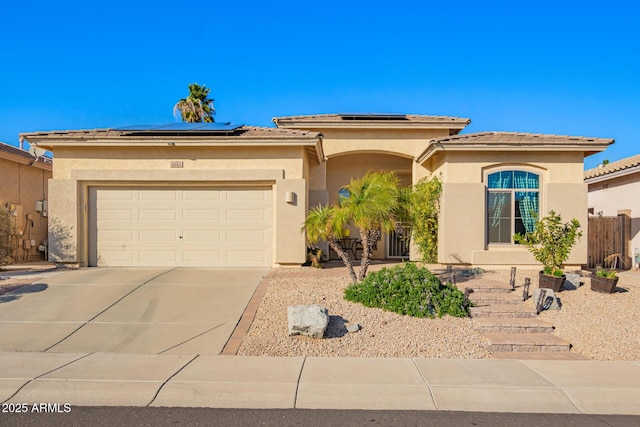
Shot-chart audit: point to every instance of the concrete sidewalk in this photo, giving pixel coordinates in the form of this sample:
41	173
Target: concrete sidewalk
524	386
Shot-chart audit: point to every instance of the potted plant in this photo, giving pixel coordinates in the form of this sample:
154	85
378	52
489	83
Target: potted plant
551	242
605	280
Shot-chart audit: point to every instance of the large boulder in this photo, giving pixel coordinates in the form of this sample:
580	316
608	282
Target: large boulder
310	320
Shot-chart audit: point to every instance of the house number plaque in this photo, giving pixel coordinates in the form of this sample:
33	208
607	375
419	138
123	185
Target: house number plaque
177	164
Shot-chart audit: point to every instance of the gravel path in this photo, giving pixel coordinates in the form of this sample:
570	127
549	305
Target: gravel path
599	326
386	334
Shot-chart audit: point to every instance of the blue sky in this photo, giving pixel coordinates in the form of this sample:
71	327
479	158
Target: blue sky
544	67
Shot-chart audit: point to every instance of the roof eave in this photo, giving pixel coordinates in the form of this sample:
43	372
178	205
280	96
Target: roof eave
25	160
314	142
438	146
321	125
612	175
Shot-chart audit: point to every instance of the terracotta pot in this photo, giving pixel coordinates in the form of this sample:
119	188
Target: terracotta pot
603	284
551	282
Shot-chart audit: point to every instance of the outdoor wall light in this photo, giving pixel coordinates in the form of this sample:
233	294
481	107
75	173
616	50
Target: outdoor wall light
290	197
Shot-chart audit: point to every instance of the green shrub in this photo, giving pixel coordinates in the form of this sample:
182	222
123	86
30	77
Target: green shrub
424	209
607	274
7	232
407	289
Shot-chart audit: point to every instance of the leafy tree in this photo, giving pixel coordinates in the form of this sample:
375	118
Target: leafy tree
424	209
327	223
551	241
373	205
197	107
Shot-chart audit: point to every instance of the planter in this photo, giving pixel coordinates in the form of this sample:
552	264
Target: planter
551	282
603	285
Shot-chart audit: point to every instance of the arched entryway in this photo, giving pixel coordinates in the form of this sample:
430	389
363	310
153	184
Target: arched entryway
340	169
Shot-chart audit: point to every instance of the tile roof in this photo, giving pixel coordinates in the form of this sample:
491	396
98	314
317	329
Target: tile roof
355	120
393	117
617	166
521	139
243	132
493	141
10	149
244	135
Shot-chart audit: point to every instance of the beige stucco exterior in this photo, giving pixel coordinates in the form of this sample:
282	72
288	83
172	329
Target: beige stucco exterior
23	182
462	236
305	162
277	165
413	152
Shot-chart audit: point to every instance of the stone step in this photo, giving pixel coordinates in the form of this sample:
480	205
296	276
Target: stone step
540	355
485	286
489	298
503	310
502	342
513	325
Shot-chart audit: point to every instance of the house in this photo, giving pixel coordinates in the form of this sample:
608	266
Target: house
23	190
227	195
611	191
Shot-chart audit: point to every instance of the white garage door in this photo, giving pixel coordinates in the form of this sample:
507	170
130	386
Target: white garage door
180	227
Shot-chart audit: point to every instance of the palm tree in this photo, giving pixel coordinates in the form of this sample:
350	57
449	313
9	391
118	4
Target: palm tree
197	107
373	205
327	223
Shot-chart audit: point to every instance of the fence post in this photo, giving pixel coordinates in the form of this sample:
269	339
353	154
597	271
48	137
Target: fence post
624	216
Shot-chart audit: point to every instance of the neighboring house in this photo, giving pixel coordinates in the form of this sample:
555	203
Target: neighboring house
224	195
614	188
23	189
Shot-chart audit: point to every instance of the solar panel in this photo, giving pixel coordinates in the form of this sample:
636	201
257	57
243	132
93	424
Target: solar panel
182	127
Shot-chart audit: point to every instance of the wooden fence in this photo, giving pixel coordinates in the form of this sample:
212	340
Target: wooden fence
609	235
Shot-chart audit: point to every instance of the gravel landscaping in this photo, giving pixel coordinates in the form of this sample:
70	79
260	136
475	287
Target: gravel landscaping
10	284
600	326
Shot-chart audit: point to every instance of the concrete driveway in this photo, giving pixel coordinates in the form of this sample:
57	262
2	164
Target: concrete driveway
128	310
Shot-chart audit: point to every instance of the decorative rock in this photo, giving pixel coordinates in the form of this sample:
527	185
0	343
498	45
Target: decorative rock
551	301
573	279
351	328
310	320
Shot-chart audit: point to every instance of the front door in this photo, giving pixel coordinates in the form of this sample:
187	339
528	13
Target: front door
398	242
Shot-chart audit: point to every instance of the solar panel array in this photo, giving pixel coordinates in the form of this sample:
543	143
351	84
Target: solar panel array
182	127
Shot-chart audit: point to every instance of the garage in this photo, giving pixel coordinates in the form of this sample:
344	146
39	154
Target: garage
214	227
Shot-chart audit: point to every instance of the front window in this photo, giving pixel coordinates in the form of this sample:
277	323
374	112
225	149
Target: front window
513	203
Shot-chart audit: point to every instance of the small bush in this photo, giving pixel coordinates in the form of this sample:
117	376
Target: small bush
607	274
6	234
407	289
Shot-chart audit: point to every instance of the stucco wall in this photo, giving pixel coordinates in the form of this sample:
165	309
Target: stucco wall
22	185
462	234
620	193
289	159
408	142
79	168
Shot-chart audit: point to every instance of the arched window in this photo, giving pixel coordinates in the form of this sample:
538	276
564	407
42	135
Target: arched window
512	204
